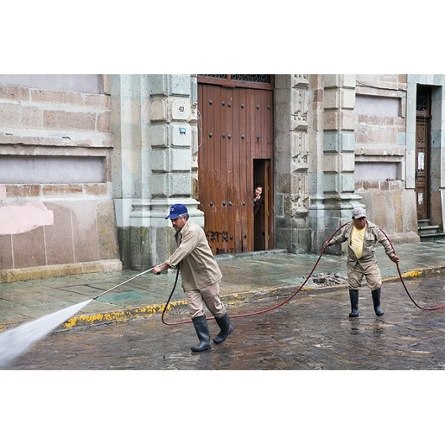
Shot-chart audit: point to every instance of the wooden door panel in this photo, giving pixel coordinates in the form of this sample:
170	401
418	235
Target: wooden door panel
233	131
422	169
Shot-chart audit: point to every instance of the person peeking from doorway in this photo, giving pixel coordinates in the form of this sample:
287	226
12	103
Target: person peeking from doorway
200	275
258	199
362	236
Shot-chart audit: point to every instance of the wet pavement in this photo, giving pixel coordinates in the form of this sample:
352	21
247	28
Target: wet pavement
310	332
246	278
336	389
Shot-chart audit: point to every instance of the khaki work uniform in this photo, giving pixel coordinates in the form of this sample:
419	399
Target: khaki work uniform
365	266
200	272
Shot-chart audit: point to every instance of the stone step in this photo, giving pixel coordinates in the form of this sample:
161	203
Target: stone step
432	236
423	222
428	230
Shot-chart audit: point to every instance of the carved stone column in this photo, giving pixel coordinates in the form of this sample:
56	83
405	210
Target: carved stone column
292	194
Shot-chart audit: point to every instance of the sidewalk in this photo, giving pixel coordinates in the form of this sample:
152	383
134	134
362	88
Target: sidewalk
246	277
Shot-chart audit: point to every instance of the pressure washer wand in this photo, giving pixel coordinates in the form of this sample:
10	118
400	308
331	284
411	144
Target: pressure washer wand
121	284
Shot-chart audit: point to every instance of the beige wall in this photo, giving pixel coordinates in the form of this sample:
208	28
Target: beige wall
50	221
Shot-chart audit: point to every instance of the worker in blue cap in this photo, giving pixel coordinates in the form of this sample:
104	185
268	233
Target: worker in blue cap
200	275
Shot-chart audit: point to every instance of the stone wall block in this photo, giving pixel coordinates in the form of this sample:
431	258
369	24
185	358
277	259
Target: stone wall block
23	190
347	162
106	230
347	120
85	236
347	183
330	162
180	84
180	108
347	141
158	85
332	99
56	97
180	184
58	119
59	234
14	94
159	135
331	120
181	135
331	141
95	189
159	184
10	115
159	160
51	190
330	182
339	80
159	109
281	96
103	122
99	101
29	248
6	258
32	117
347	99
181	160
332	81
283	82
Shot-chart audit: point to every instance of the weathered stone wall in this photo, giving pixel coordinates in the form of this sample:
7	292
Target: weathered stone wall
380	155
341	141
291	162
56	208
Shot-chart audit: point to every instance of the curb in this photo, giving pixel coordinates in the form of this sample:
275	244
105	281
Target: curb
276	292
230	299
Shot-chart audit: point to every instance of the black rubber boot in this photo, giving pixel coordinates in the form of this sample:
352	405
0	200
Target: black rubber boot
202	331
376	301
353	295
226	328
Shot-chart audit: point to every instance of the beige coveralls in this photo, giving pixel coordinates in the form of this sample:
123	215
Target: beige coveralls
200	272
366	266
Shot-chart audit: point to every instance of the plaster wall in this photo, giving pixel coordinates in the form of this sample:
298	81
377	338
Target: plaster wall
56	205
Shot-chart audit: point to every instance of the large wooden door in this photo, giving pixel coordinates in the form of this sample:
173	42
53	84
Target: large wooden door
235	127
423	129
422	169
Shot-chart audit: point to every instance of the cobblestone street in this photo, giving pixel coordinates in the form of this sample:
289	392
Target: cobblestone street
311	332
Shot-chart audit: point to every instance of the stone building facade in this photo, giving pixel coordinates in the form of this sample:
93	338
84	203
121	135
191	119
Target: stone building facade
56	202
90	164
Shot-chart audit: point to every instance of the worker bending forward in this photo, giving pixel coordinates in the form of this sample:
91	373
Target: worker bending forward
200	277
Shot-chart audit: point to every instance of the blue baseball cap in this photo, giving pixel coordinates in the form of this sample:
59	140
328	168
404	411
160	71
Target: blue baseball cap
176	210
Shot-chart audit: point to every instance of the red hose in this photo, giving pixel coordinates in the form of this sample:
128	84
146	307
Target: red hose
249	314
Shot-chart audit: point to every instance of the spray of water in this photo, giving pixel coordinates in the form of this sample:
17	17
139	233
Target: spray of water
17	341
